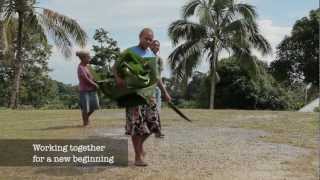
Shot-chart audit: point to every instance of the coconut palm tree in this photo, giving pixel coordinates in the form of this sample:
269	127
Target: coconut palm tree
62	29
209	27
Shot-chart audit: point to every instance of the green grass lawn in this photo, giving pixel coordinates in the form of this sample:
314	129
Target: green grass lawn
291	128
284	126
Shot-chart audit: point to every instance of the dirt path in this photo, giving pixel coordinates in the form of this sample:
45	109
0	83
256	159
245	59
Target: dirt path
218	145
218	153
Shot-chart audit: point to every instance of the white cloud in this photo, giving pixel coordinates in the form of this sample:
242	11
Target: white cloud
63	69
124	19
274	34
115	15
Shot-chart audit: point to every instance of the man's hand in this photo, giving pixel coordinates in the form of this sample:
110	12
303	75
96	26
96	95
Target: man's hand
153	100
168	97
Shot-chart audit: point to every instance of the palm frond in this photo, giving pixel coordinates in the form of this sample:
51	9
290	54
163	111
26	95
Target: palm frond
185	30
59	36
185	58
221	25
185	68
9	32
70	27
220	5
261	44
3	4
3	39
35	26
189	9
243	54
192	62
236	11
205	15
8	39
240	26
9	11
247	11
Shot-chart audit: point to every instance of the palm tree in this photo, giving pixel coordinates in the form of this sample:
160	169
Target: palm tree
221	25
63	30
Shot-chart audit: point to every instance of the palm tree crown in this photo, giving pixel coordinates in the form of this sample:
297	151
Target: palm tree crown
62	29
219	25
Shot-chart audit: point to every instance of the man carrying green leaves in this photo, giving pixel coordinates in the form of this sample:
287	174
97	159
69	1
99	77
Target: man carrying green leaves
137	70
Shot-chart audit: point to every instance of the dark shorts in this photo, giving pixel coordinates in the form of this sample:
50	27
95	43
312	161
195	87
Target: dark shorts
89	101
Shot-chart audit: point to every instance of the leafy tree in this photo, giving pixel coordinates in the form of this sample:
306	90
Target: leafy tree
4	83
222	25
68	96
238	89
175	90
36	88
105	53
194	86
61	28
298	54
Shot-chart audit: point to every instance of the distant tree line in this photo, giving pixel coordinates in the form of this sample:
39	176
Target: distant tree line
280	85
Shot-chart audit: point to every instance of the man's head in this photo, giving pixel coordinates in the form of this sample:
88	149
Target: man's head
155	46
146	38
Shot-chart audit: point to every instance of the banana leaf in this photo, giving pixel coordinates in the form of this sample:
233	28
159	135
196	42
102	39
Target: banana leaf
140	76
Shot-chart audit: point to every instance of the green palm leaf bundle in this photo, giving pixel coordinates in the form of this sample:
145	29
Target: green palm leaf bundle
140	76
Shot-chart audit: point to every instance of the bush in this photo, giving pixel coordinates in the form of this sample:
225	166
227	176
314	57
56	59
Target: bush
53	107
25	107
188	104
238	89
3	108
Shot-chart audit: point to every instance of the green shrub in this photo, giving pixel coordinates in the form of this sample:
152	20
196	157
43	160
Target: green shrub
188	104
53	107
3	108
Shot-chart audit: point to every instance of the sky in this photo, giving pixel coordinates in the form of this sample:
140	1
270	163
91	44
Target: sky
124	19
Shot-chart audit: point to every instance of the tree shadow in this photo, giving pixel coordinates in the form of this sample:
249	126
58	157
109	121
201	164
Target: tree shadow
70	171
60	127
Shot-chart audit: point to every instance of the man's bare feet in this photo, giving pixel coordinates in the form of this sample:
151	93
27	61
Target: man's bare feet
159	135
140	163
85	123
143	154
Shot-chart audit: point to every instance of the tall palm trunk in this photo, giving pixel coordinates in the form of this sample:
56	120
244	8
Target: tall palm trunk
213	72
213	85
2	44
18	66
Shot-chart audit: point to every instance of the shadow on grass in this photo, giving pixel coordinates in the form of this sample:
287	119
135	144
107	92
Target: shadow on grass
70	171
60	127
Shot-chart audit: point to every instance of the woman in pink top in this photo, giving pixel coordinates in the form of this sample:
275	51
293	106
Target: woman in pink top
89	101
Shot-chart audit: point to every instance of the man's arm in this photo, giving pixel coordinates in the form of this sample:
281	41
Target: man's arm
164	90
159	82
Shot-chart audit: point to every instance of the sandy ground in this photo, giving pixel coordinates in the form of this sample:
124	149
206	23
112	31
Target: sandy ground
218	153
199	151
